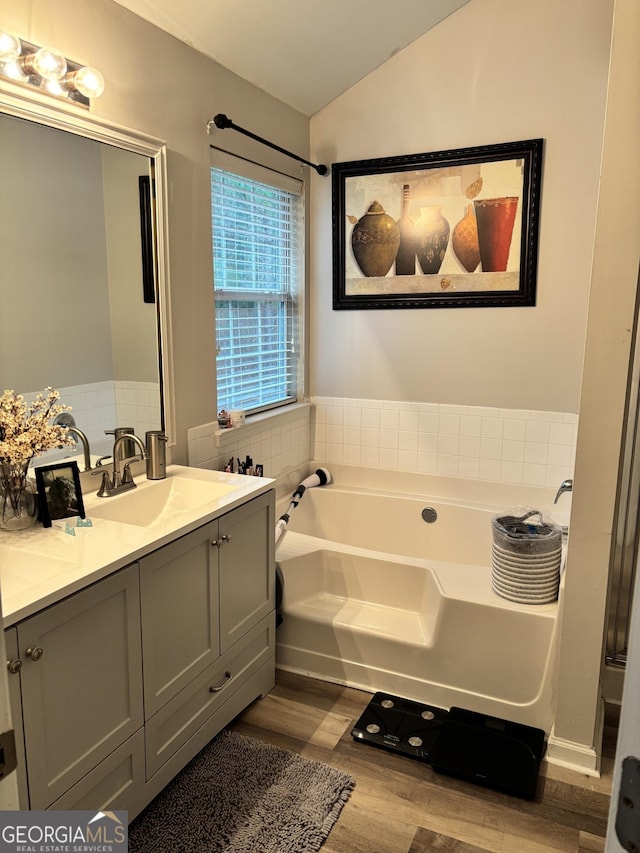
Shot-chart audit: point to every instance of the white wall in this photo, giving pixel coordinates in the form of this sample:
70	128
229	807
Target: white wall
494	71
161	86
613	296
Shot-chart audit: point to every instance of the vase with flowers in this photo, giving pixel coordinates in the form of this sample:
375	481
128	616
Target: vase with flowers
26	431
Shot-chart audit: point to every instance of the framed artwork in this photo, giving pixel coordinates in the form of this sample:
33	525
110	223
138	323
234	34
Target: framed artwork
447	229
59	492
146	237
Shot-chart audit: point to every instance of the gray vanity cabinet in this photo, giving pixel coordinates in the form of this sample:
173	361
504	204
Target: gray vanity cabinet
80	683
119	685
207	627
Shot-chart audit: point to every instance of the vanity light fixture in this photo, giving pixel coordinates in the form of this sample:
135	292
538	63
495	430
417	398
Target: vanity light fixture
47	69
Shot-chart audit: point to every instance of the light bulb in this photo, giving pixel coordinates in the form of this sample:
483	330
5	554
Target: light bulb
13	71
10	47
48	63
88	81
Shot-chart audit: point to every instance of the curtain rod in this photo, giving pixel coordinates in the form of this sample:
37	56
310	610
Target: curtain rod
221	122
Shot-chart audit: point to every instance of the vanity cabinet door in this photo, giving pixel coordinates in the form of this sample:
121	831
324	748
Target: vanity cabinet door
14	666
81	683
247	567
180	606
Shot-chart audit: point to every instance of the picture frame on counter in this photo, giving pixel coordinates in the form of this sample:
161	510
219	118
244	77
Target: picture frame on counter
444	229
59	492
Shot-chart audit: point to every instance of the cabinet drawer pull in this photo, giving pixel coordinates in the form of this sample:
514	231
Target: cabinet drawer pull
215	543
34	654
225	538
217	689
14	666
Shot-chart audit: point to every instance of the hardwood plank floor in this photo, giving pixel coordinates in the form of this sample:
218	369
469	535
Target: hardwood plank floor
400	805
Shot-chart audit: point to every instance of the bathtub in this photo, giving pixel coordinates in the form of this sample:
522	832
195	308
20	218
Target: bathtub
377	598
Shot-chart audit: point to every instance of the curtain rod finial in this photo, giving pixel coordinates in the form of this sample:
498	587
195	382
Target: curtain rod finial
221	121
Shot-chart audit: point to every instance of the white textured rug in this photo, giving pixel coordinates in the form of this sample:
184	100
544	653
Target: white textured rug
240	795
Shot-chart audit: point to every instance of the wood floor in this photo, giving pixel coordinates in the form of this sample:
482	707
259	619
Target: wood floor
400	805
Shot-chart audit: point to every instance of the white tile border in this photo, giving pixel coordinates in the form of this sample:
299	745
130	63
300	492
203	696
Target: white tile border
474	442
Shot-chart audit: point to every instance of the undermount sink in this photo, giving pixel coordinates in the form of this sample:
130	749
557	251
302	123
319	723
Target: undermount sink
159	500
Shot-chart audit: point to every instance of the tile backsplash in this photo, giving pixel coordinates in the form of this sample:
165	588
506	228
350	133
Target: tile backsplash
473	442
98	406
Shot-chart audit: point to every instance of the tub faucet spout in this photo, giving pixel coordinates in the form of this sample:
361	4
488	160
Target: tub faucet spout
565	486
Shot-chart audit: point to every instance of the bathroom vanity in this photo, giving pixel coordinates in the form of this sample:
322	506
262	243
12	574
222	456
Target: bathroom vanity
135	641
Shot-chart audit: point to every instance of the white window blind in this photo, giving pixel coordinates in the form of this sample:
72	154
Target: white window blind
255	260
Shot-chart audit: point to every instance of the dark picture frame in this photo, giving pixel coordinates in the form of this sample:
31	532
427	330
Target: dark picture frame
59	492
146	238
446	229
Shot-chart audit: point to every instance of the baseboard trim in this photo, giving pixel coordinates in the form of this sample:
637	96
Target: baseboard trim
578	756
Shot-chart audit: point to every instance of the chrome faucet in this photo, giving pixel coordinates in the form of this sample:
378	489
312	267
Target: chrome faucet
68	421
85	445
122	479
565	486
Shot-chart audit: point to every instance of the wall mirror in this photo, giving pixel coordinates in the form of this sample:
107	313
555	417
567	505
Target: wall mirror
72	245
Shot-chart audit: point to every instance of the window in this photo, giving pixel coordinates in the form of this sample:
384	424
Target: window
255	264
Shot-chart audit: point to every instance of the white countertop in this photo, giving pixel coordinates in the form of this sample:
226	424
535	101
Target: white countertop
40	566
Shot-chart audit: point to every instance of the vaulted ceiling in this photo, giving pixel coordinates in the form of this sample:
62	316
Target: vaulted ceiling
303	52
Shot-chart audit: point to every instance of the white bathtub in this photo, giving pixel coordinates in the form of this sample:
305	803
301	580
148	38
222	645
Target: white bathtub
376	598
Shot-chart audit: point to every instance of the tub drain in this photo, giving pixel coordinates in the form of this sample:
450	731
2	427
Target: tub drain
429	514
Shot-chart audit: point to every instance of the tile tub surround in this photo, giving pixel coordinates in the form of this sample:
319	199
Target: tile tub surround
279	440
98	406
477	443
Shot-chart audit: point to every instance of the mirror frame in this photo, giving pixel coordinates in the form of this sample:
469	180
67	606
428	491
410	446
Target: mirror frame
20	102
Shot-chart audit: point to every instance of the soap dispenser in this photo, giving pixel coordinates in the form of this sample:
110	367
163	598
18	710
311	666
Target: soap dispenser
156	442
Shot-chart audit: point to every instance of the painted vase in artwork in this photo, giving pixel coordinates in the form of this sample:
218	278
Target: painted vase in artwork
432	238
464	240
375	239
406	257
495	218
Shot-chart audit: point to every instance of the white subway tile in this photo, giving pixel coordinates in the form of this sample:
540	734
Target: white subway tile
428	442
408	420
352	435
370	417
352	416
448	466
470	446
369	457
468	467
408	460
514	429
448	409
561	433
511	472
407	440
492	427
471	425
428	422
427	463
388	459
490	448
513	451
370	437
389	419
449	424
448	445
537	431
535	452
559	455
389	439
534	475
